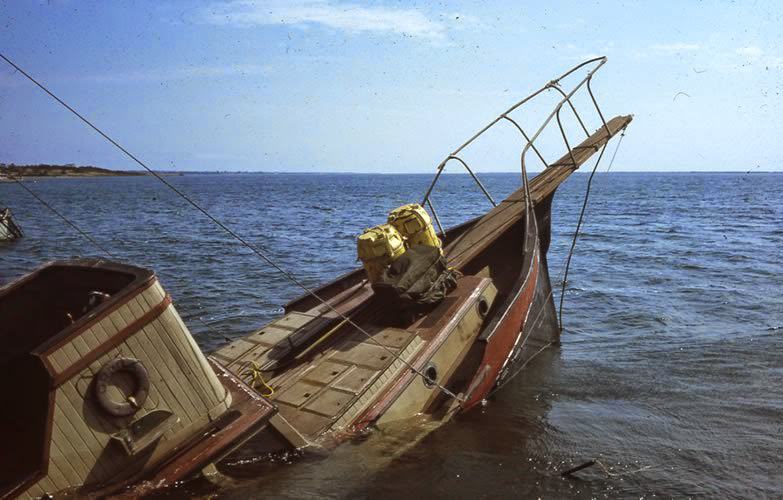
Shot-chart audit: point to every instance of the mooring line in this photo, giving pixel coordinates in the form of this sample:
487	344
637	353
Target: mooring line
576	235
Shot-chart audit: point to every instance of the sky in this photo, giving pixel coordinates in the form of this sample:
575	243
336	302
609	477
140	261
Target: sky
387	86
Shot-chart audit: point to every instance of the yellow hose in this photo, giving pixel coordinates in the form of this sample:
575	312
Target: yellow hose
257	377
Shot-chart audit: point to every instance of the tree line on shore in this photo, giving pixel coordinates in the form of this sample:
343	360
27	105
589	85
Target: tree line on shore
45	169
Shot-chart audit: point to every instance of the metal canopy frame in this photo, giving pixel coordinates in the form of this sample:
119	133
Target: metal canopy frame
595	64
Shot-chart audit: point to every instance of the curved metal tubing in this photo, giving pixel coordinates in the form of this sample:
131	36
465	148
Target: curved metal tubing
578	118
486	193
601	61
557	109
435	216
565	139
581	65
434	180
595	103
552	84
525	182
546	165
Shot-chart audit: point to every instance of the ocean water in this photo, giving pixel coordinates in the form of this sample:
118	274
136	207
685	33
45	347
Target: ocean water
670	372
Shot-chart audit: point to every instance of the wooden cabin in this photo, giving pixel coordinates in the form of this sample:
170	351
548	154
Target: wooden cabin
103	385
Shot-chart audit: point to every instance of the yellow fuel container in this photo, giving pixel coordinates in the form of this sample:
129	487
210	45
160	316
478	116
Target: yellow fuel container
377	248
414	224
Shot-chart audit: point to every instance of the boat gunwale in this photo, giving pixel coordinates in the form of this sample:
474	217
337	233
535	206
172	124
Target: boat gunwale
397	387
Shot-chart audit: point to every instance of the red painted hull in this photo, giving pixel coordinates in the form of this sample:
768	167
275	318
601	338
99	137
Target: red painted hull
505	338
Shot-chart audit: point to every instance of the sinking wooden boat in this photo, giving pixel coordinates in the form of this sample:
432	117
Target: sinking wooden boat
341	359
9	230
330	378
118	395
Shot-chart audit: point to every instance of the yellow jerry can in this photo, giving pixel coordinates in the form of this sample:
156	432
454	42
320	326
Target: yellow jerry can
414	224
377	248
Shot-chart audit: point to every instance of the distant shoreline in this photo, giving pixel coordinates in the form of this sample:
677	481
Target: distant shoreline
44	170
10	171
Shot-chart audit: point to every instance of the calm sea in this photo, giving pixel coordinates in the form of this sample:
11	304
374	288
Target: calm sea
671	367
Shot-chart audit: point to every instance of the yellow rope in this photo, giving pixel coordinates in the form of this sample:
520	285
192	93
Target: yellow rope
256	377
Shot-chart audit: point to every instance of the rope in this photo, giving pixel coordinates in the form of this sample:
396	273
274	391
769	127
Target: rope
617	148
581	218
65	219
257	376
233	234
576	235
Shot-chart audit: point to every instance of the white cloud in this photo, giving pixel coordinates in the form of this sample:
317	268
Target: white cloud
752	58
774	62
748	59
751	52
348	17
572	24
676	47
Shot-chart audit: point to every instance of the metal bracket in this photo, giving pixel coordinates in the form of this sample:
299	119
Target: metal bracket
144	431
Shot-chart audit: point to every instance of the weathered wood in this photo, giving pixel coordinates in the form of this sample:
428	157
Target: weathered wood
136	322
250	413
351	375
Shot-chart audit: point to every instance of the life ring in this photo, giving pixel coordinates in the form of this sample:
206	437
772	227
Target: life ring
132	404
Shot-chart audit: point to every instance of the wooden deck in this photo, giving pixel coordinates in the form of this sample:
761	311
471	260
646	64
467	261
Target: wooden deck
339	381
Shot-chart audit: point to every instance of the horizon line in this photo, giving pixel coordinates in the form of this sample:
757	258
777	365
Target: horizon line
362	172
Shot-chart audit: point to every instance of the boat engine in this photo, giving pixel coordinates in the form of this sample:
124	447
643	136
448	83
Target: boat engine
404	259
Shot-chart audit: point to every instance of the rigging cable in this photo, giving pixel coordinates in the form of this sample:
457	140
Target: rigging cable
233	234
611	162
579	223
